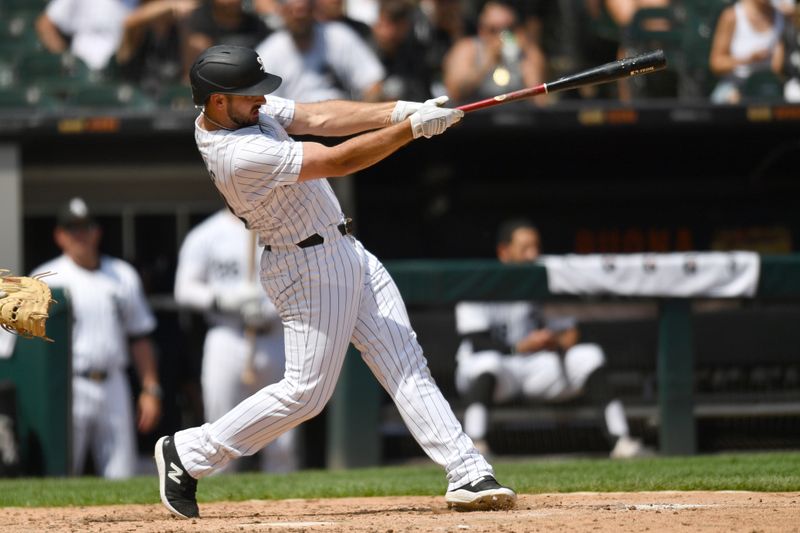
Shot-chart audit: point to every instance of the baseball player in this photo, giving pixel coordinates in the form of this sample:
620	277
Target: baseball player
111	319
508	350
328	289
213	276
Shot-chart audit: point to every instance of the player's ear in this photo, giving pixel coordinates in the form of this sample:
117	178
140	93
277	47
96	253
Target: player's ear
216	101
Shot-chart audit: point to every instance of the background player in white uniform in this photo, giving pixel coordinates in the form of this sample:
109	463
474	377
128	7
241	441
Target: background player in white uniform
111	318
213	277
329	290
509	350
320	60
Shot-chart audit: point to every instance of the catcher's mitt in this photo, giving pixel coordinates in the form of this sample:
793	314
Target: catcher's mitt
24	308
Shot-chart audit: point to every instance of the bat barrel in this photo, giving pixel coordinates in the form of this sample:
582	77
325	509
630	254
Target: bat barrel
622	68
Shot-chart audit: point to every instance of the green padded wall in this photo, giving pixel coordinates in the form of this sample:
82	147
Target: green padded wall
42	374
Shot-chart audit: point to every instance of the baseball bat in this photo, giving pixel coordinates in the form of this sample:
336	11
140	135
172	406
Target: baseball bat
621	68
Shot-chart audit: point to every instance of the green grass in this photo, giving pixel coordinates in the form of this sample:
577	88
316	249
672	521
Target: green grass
762	472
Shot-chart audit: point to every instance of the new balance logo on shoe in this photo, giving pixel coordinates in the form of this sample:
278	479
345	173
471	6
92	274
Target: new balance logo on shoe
175	474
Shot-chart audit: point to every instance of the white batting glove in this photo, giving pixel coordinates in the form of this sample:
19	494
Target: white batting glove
233	299
3	294
430	121
403	110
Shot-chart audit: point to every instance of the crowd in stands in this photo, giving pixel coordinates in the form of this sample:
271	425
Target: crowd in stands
135	53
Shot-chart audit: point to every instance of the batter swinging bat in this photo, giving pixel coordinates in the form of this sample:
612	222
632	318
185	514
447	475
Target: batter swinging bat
615	70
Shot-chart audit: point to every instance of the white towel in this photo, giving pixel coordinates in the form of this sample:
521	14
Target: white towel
709	274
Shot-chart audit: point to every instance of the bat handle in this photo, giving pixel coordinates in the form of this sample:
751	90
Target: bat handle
504	98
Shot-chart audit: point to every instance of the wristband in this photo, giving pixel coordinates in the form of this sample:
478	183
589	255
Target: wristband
153	390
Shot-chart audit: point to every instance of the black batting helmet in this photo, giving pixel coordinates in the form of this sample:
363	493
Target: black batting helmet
230	69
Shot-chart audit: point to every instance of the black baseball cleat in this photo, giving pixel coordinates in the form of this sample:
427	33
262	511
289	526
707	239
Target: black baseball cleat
483	494
177	487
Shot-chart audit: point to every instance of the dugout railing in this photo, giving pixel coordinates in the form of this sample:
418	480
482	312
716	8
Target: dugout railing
356	416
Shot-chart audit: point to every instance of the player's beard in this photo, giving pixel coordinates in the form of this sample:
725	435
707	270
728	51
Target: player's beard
240	119
243	121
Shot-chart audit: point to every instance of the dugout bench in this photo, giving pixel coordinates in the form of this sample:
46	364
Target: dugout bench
356	417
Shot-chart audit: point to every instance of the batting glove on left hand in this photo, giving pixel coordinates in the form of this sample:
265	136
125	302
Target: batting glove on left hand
430	121
403	110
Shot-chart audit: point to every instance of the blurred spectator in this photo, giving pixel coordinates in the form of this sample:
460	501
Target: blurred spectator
622	13
222	22
333	10
499	59
532	16
407	78
438	25
216	276
263	7
594	41
791	43
151	52
509	350
90	30
112	327
364	10
269	11
320	60
746	44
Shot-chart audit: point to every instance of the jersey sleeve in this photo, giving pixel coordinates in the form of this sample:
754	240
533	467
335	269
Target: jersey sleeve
61	13
137	317
191	275
263	163
281	109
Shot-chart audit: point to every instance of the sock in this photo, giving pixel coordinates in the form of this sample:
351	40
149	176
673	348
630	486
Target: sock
476	421
616	423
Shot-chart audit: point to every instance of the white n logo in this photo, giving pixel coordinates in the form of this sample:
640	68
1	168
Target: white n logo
175	473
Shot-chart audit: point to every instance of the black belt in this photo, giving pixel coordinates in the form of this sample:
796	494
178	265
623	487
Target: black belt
94	375
345	228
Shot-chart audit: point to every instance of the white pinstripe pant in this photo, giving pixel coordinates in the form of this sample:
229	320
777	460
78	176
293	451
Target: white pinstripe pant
328	296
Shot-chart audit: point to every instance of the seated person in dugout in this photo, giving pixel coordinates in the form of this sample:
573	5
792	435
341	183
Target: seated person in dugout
508	350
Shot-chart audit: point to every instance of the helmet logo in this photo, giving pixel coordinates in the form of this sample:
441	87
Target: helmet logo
261	65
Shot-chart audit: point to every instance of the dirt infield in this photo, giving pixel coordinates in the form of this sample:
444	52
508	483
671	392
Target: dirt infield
747	512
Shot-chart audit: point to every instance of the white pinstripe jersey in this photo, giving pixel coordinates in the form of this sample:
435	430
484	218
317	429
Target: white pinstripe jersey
256	170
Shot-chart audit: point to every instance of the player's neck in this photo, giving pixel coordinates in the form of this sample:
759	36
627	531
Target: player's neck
89	261
210	124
